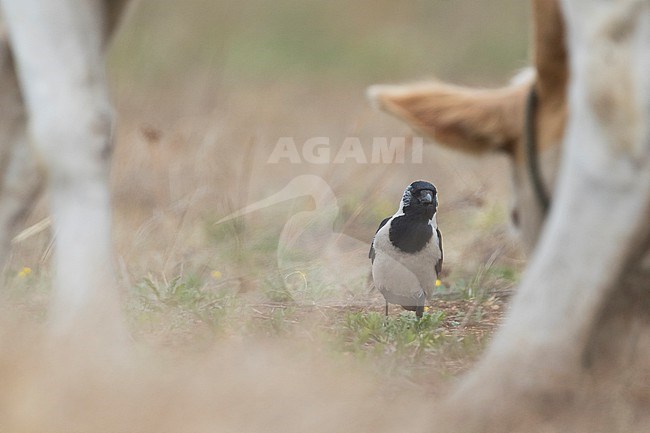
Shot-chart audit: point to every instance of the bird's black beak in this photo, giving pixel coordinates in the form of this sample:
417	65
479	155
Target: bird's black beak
426	197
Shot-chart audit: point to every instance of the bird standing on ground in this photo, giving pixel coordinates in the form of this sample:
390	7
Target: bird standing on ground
406	251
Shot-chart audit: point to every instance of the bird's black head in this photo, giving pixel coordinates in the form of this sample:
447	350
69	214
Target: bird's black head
420	198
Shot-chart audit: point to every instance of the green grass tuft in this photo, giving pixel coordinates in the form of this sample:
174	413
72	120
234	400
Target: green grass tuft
403	336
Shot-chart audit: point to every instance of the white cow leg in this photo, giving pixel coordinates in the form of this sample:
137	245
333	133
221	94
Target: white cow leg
21	183
582	299
58	46
21	179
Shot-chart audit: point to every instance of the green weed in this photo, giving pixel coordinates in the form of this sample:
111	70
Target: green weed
403	336
180	304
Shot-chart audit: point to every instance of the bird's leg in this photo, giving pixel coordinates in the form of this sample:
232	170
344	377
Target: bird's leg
386	308
419	309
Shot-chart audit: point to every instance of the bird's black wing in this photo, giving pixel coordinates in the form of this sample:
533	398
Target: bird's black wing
371	254
439	262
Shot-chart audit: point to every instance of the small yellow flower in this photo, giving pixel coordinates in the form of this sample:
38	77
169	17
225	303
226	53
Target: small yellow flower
24	272
426	308
216	274
438	283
